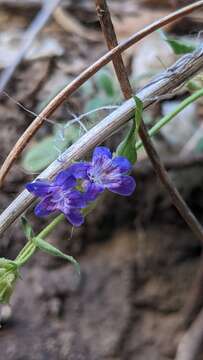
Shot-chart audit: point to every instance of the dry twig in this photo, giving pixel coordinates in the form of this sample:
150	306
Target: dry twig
177	200
35	27
174	76
71	25
85	75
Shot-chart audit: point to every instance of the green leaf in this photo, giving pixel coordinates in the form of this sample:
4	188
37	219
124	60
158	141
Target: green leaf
52	250
196	83
27	228
138	112
97	103
127	147
88	88
8	276
40	155
199	146
105	82
179	47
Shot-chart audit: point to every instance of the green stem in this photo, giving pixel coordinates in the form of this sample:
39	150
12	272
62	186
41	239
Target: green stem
49	228
23	251
26	253
189	100
30	248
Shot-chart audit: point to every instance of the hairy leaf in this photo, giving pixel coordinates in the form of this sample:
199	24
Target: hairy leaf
105	82
27	228
41	154
52	250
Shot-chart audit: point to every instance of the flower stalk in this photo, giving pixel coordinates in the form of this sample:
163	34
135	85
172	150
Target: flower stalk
9	270
31	247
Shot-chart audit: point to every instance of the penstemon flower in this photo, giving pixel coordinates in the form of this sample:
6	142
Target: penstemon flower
92	178
104	172
59	195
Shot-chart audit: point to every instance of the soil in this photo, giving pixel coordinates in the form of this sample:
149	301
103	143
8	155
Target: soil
137	269
138	261
127	304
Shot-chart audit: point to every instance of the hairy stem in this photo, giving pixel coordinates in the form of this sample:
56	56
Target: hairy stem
50	227
30	248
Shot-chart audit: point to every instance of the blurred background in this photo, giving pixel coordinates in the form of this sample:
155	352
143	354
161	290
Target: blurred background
138	258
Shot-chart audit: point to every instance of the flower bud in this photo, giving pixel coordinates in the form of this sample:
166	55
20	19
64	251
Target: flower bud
8	276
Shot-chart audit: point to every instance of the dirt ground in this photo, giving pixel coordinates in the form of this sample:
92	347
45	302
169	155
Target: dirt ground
128	303
138	259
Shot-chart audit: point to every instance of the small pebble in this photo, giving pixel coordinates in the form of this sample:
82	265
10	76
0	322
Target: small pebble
5	314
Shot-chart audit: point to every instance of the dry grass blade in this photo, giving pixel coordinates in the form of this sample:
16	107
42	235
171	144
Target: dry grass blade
35	27
85	75
166	82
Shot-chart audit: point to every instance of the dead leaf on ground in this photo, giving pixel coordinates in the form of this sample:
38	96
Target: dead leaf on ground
132	24
150	56
31	80
43	47
74	67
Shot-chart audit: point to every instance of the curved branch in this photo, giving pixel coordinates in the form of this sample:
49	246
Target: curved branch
85	75
177	200
170	79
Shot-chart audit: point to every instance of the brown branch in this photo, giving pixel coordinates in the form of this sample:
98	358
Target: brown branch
190	346
178	202
177	163
36	26
176	198
186	67
111	41
85	75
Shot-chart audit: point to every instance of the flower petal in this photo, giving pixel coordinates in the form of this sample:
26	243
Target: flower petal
39	187
65	178
125	186
79	170
122	163
75	217
101	152
77	199
92	191
45	207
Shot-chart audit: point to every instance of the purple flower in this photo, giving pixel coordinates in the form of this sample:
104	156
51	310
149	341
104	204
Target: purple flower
59	195
104	172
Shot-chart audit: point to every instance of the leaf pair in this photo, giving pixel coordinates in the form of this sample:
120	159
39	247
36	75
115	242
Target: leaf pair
44	245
